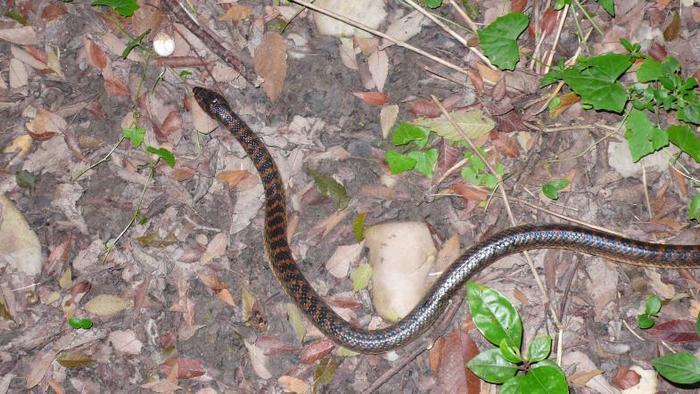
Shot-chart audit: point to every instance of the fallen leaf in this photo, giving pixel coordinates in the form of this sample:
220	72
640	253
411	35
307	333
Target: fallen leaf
215	248
18	74
271	64
187	368
125	342
106	305
549	21
236	12
20	35
675	331
316	351
625	378
673	29
115	87
387	118
378	63
372	98
291	384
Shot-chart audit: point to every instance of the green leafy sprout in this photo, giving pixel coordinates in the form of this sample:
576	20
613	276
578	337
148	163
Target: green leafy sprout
499	322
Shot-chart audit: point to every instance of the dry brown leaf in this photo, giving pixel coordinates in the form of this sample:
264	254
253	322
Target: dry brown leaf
316	351
625	378
271	64
95	55
291	384
106	305
387	118
20	144
226	297
19	35
372	98
215	249
517	5
345	255
680	181
487	74
125	342
579	379
115	87
53	61
549	21
504	144
378	63
53	11
187	368
236	12
657	51
233	178
18	74
45	125
171	123
366	45
28	58
673	29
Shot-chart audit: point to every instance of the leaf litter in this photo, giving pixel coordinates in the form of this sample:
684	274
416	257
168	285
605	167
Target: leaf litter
210	298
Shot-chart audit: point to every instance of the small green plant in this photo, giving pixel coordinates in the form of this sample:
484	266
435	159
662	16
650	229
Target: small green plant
122	7
136	136
421	159
77	322
551	189
478	174
652	306
678	368
499	322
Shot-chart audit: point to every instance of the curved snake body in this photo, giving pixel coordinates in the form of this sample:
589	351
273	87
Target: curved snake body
510	241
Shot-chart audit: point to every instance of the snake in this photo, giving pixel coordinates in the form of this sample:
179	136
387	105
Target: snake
474	259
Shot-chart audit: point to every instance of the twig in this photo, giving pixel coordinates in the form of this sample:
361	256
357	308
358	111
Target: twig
548	62
102	160
208	39
624	322
380	34
451	32
464	15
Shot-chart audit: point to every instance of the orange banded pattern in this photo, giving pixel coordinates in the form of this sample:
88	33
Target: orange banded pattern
510	241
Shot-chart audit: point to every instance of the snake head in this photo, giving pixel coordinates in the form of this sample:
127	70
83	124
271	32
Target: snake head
210	101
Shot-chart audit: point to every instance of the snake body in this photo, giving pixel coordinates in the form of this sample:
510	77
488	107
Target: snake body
510	241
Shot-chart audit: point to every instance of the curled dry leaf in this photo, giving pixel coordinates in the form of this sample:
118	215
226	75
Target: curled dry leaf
372	98
271	64
237	179
258	360
106	305
273	345
625	378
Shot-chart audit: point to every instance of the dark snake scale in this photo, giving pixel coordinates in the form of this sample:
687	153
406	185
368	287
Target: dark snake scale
510	241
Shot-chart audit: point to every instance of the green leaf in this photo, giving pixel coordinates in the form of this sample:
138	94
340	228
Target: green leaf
494	315
399	163
324	373
544	377
469	174
492	367
630	47
329	187
510	353
135	135
690	113
361	276
694	209
539	348
680	368
642	137
499	39
670	65
433	3
595	80
163	153
652	306
123	7
684	138
407	132
474	123
645	321
650	70
552	189
608	6
425	161
358	226
76	322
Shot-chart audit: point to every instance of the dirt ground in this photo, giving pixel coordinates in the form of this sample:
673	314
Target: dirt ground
185	299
